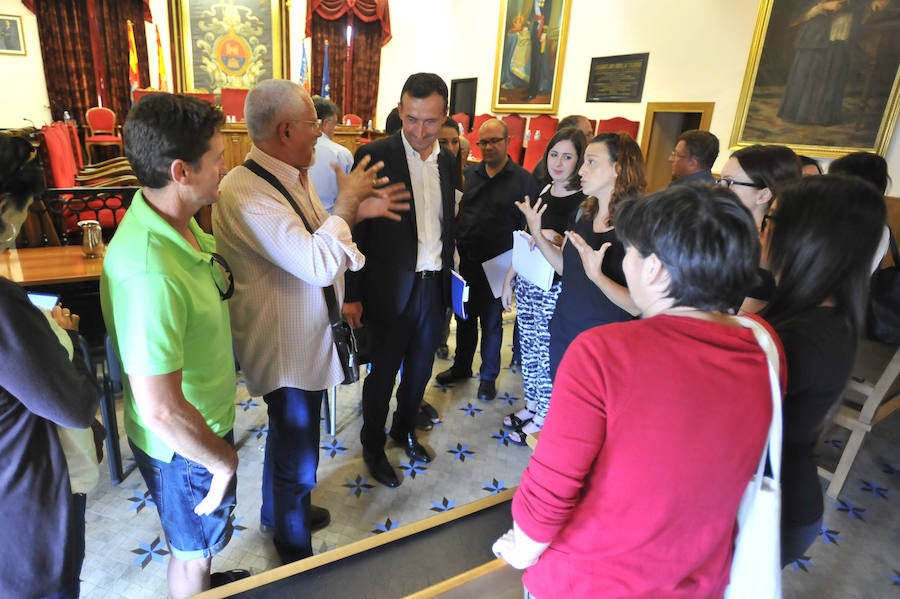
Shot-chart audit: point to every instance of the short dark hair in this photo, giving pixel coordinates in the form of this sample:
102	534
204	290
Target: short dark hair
324	108
807	161
865	165
576	136
703	146
704	236
392	123
162	128
422	85
824	233
20	177
771	166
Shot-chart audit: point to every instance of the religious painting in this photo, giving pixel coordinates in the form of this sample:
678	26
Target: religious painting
12	37
228	43
531	44
822	77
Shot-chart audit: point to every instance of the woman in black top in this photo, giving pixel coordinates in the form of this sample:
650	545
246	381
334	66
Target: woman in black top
819	246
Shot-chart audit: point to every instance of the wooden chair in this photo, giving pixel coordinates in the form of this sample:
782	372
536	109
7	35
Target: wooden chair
541	129
860	418
617	125
233	102
463	119
516	126
102	131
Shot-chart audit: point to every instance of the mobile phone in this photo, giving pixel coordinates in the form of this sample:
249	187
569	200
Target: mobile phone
44	301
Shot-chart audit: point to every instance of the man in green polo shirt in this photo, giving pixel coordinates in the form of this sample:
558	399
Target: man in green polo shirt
163	293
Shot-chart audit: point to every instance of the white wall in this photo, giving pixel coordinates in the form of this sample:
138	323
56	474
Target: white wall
698	53
26	96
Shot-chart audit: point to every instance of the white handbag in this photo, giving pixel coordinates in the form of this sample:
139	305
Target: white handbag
756	567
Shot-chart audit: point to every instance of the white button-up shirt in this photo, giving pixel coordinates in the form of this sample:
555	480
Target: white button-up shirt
426	191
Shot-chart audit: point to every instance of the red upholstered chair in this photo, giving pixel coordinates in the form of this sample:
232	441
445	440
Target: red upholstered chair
516	126
479	121
102	131
353	120
593	123
233	102
463	119
617	125
541	129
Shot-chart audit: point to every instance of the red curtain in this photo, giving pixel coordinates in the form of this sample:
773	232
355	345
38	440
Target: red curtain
367	11
71	60
328	20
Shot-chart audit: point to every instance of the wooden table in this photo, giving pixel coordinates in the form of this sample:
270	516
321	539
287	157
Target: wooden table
49	266
64	271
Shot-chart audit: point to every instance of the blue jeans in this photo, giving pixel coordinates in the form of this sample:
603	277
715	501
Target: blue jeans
177	487
289	468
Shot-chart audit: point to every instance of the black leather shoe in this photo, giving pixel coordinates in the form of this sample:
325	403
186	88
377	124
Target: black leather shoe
319	518
380	469
443	352
486	390
414	450
432	414
218	579
450	375
423	422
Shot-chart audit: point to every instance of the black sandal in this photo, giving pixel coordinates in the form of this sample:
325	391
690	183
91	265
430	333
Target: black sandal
514	422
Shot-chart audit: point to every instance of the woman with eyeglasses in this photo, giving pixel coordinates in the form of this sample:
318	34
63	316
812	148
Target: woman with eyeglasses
757	174
535	306
819	245
44	386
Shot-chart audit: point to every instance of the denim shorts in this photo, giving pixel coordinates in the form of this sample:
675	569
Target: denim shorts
177	487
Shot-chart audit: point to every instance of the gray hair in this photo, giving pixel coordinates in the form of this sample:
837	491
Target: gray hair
265	105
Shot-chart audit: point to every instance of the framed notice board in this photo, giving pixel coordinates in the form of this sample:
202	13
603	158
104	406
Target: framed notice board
617	78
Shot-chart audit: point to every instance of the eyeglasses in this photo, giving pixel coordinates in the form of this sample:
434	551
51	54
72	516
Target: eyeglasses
316	124
493	141
222	275
729	182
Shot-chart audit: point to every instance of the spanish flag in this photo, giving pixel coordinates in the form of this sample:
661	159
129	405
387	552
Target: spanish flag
163	81
133	76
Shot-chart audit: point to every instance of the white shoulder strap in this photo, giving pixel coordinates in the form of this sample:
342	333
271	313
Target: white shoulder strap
773	445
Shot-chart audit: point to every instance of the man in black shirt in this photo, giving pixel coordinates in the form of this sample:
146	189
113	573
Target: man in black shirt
487	218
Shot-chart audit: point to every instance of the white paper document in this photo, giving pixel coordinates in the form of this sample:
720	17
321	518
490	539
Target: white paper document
495	271
530	263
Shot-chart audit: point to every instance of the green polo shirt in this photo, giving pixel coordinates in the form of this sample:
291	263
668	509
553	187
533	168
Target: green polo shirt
163	312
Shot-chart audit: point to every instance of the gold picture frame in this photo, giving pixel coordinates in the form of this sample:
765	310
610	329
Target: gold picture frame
12	35
228	43
530	51
820	82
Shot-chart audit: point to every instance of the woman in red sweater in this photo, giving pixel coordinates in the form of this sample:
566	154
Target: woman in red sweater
656	425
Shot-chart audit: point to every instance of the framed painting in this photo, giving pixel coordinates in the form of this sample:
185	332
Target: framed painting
822	77
228	43
12	36
531	44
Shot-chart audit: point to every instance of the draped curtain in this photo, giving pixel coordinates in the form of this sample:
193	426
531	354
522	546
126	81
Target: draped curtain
328	20
72	59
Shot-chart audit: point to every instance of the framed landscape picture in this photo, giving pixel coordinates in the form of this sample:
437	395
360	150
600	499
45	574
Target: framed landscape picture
235	44
531	45
822	77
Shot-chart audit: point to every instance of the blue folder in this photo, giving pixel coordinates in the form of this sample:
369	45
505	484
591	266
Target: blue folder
459	290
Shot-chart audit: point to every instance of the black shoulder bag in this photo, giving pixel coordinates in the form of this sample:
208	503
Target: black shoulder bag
344	339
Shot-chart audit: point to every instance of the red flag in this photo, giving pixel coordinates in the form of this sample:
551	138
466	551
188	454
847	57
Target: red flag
133	76
163	82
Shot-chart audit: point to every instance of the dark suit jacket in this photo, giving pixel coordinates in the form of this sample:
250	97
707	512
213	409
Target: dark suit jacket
385	284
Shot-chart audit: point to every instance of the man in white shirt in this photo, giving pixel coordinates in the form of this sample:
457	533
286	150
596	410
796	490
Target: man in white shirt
328	153
278	313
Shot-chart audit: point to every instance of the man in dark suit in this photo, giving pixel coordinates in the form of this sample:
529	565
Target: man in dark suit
402	291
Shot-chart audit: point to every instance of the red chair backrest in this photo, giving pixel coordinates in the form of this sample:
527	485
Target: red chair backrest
479	121
541	129
617	125
101	120
463	119
353	119
76	145
516	127
61	168
233	102
140	93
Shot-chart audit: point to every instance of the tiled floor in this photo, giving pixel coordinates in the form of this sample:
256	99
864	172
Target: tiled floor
858	554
